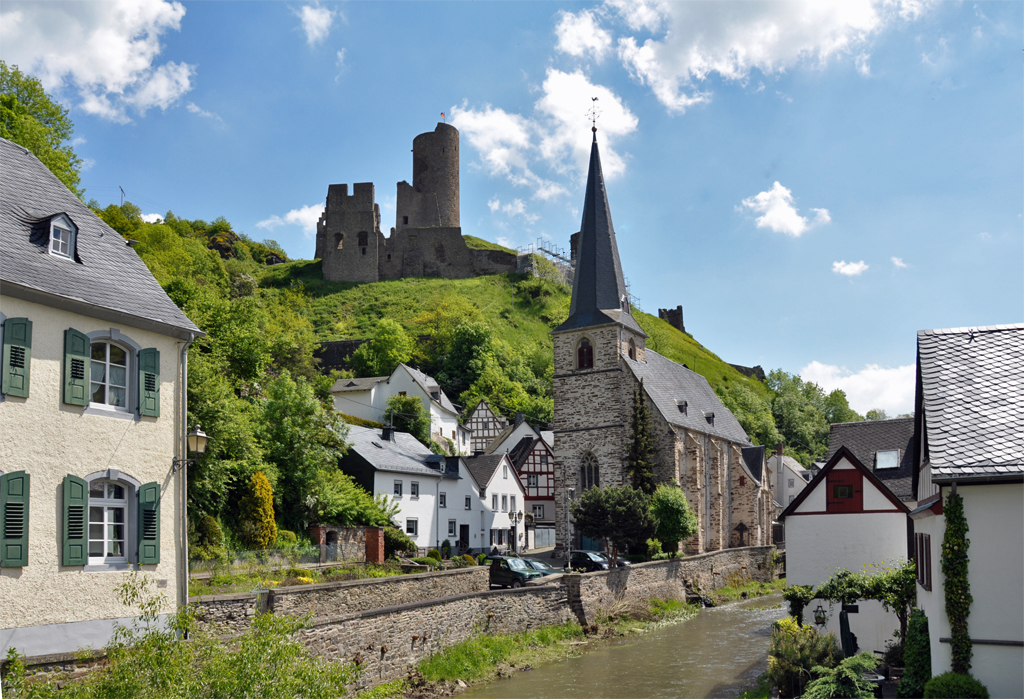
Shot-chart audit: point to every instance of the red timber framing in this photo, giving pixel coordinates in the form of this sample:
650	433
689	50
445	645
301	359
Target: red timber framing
844	489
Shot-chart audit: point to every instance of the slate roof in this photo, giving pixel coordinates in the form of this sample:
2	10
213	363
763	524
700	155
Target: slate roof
349	385
106	280
667	382
403	455
753	457
483	467
970	385
521	451
867	438
599	294
424	382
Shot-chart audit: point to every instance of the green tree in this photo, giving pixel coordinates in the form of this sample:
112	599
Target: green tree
876	414
674	520
334	498
837	408
640	452
30	118
124	218
917	656
957	590
407	414
259	529
619	513
389	347
753	411
799	411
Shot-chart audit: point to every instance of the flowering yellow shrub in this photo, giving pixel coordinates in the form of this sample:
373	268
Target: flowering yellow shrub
258	526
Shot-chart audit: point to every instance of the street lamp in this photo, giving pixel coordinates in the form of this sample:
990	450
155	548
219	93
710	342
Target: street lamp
569	495
516	518
820	618
196	441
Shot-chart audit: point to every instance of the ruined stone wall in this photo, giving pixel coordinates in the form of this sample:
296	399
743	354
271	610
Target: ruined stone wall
348	221
388	643
600	592
493	261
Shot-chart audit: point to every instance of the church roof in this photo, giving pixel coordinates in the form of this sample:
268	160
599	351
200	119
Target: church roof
685	398
599	295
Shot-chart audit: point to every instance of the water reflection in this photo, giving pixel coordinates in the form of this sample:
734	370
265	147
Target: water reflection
718	653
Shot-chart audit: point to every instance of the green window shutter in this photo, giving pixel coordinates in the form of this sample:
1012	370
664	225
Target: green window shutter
17	357
14	489
149	524
76	367
76	507
149	382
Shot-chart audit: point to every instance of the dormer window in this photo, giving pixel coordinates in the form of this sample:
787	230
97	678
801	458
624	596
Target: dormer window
682	405
887	459
62	237
709	418
632	349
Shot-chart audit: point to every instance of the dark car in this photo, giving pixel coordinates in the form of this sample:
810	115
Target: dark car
511	572
622	562
542	567
587	561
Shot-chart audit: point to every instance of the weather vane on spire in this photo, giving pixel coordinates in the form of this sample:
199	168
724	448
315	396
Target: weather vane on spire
594	113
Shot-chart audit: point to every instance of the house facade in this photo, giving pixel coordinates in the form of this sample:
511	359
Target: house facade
368	399
599	356
789	476
91	419
969	440
847	518
884	446
502	495
485	426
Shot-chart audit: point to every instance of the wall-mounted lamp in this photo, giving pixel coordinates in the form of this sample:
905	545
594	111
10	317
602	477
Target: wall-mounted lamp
196	441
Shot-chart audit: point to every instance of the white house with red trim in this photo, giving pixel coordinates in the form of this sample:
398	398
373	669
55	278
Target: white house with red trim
846	518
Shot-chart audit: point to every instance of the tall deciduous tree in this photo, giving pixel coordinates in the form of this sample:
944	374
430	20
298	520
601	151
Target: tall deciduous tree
673	517
30	118
389	347
407	414
619	513
640	453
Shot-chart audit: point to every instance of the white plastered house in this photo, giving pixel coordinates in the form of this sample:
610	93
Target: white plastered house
501	494
846	518
91	419
790	479
437	496
368	399
969	439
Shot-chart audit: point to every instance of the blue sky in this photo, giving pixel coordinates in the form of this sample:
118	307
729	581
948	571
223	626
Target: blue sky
813	182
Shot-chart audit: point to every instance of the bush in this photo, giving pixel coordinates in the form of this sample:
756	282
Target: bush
427	561
446	548
953	685
469	560
258	528
798	596
481	559
208	532
845	680
795	648
653	548
286	539
396	541
435	554
917	656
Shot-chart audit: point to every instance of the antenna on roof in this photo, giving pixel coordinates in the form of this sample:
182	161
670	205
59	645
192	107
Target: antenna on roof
122	194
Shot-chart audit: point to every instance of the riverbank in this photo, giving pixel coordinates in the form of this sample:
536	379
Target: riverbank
483	659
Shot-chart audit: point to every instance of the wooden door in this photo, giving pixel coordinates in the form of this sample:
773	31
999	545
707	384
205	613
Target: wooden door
845	491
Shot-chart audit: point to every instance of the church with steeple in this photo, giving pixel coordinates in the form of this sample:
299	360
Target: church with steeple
600	355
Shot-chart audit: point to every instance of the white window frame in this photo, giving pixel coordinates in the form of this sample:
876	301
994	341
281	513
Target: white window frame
532	480
511	503
878	459
412	526
538	512
131	487
451	527
106	383
414	490
397	490
504	503
494	502
469	502
504	471
132	349
64	224
442	499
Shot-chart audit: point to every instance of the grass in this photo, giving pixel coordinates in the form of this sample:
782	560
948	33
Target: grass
481	657
629	617
746	589
388	690
231	583
480	244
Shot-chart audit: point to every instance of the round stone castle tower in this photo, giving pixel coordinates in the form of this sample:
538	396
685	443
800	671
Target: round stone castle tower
435	170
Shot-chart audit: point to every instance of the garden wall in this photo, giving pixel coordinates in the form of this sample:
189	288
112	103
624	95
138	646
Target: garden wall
388	643
234	613
590	593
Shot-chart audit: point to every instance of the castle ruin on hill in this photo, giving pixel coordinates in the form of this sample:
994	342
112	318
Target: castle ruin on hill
426	240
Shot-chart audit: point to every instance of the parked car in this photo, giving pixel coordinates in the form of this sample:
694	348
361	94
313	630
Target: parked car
544	568
587	561
511	572
622	562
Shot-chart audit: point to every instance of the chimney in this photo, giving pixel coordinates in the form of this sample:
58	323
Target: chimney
519	419
388	434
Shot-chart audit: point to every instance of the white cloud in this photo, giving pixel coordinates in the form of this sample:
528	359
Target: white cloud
898	261
106	52
78	141
152	218
778	213
505	242
555	137
306	217
580	35
874	386
694	40
512	209
87	164
340	63
849	269
193	108
863	63
316	22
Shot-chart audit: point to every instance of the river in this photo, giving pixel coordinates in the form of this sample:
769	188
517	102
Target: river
718	653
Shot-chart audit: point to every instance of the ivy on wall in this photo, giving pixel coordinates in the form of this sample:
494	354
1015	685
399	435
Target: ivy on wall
958	586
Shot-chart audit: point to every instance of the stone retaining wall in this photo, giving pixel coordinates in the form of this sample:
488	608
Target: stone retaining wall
388	643
592	594
233	613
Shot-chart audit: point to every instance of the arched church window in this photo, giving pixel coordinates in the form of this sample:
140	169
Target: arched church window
339	240
585	355
632	349
589	477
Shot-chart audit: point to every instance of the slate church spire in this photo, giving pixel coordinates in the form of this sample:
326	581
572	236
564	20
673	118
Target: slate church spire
599	293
